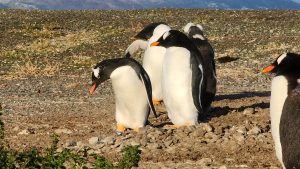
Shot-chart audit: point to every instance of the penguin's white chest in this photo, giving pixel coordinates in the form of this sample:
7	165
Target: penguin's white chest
131	98
279	93
177	87
152	63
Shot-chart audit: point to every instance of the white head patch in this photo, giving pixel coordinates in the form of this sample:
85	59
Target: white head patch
198	36
189	25
279	60
96	72
298	81
166	35
160	30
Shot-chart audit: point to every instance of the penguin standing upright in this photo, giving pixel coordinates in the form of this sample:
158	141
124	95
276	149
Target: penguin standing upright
195	33
183	78
285	108
153	57
132	88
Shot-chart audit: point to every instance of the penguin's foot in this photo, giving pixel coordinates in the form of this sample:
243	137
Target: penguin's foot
120	128
156	102
136	129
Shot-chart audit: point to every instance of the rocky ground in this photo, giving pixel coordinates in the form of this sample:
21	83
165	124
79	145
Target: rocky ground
46	60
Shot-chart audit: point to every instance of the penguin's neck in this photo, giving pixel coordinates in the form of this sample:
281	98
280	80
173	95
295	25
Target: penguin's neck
279	93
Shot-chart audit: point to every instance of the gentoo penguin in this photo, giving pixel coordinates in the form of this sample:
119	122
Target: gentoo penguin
285	108
183	78
195	33
132	88
153	57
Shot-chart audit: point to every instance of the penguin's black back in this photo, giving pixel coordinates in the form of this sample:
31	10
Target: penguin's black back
147	32
290	130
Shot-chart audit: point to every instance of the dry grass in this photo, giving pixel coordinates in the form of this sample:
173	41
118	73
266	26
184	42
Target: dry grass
32	69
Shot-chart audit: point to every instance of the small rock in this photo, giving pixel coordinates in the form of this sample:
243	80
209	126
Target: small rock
242	130
16	128
207	127
71	143
59	150
254	131
153	146
204	162
223	167
62	131
248	111
239	137
134	143
109	140
94	140
24	132
168	143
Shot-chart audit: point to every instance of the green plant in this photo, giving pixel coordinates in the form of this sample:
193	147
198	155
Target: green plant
131	157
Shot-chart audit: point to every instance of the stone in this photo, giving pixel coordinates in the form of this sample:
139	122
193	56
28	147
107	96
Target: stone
254	131
109	140
23	132
63	131
248	111
94	140
207	127
71	143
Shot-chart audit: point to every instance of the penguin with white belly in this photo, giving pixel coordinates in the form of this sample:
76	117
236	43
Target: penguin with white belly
183	78
195	33
132	89
285	108
153	57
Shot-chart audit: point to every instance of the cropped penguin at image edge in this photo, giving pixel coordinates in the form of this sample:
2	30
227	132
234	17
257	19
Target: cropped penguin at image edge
285	108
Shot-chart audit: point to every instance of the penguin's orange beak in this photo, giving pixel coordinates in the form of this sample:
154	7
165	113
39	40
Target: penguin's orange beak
93	88
154	44
268	69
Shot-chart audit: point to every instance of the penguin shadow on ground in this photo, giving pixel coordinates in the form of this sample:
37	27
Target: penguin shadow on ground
222	111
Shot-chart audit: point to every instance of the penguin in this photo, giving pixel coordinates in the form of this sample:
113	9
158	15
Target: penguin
183	78
285	108
132	89
153	57
195	33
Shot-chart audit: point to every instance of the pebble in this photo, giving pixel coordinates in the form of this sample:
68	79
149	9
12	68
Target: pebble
62	131
109	140
71	143
207	127
204	162
248	111
223	167
254	131
94	140
239	137
24	132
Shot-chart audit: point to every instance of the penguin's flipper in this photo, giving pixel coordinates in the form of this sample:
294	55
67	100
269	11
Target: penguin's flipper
146	80
198	82
134	46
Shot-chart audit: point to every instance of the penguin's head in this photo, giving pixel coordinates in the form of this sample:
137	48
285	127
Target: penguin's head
194	30
101	73
148	31
287	64
172	38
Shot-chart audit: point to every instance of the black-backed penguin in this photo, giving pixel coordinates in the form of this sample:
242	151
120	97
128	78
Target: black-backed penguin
132	89
195	33
153	57
183	78
285	108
